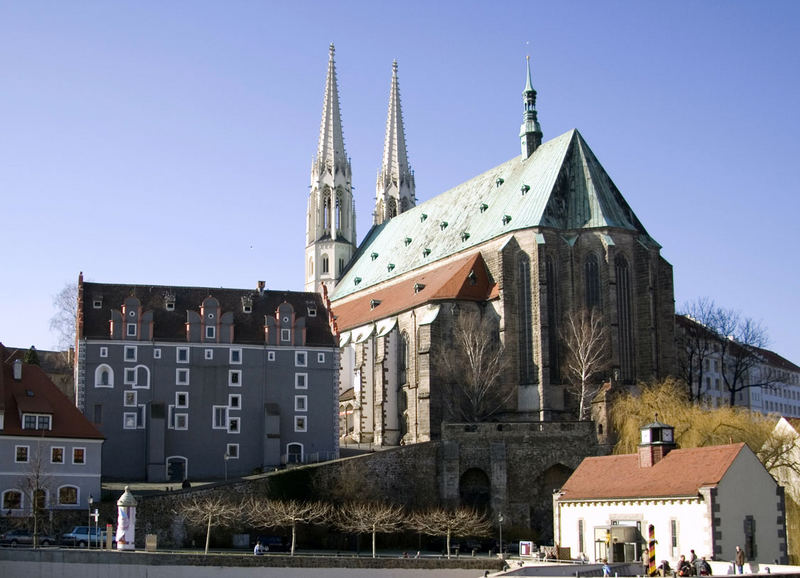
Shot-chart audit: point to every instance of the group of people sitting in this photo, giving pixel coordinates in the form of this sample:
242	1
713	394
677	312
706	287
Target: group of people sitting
694	566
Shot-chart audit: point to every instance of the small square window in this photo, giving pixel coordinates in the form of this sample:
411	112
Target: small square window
235	401
301	381
130	399
129	420
270	356
181	421
236	356
209	354
182	376
320	358
104	352
247	308
21	454
182	355
300	358
169	306
235	377
78	455
130	353
232	451
300	402
300	423
211	332
97	303
56	455
312	311
233	425
157	353
182	399
131	330
286	335
130	376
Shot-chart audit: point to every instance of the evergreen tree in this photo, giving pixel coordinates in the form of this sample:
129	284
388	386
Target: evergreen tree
31	357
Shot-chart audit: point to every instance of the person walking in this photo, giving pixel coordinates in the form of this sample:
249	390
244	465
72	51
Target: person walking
739	560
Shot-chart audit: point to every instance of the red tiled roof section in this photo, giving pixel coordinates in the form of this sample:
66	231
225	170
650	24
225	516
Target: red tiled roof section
466	279
680	473
68	421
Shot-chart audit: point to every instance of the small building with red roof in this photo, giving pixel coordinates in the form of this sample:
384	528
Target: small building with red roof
707	499
50	451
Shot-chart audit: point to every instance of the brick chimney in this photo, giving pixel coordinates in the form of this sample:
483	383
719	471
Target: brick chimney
17	370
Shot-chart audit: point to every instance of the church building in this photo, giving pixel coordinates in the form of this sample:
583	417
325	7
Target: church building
521	247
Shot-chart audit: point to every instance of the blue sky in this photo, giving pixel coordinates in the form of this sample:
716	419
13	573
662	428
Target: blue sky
170	142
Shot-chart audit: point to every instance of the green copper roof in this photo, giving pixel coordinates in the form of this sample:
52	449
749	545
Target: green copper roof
561	185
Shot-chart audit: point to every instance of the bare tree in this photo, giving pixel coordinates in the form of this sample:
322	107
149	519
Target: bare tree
460	522
36	484
472	369
586	356
65	303
735	341
369	518
288	514
695	343
209	511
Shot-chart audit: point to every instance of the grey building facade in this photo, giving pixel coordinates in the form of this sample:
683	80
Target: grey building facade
198	383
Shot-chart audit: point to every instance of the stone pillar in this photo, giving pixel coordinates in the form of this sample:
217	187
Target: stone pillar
126	521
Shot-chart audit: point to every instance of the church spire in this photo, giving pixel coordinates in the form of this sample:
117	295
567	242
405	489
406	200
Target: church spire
330	151
395	190
330	219
530	133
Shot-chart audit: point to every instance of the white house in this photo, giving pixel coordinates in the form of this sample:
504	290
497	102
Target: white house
708	499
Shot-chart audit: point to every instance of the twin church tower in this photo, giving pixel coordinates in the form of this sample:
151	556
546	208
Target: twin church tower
331	225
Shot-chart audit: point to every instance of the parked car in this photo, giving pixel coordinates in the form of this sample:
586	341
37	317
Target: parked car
80	536
24	538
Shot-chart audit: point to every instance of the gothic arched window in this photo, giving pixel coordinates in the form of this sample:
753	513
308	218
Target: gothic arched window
591	277
338	212
552	319
402	359
624	318
392	212
326	211
525	319
325	264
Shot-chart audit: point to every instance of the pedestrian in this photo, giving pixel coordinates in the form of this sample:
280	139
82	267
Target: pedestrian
259	549
739	561
606	568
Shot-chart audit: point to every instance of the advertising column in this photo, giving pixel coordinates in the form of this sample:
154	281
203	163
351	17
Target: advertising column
126	521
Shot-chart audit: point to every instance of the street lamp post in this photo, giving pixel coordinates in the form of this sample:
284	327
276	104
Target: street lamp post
227	457
89	530
500	522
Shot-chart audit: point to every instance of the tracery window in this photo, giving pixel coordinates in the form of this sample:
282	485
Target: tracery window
402	359
624	318
592	282
552	320
526	371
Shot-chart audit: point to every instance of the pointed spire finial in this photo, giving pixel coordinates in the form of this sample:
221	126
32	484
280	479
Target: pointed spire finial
530	132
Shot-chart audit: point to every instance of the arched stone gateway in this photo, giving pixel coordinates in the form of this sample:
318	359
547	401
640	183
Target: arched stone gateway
475	489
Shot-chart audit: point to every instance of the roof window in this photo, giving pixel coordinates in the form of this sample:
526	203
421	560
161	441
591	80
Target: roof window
373	303
484	206
506	219
426	252
390	266
374	256
418	287
357	280
524	189
464	236
407	241
499	181
443	225
422	217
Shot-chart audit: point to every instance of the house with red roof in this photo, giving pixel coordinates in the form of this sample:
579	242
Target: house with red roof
51	453
707	499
